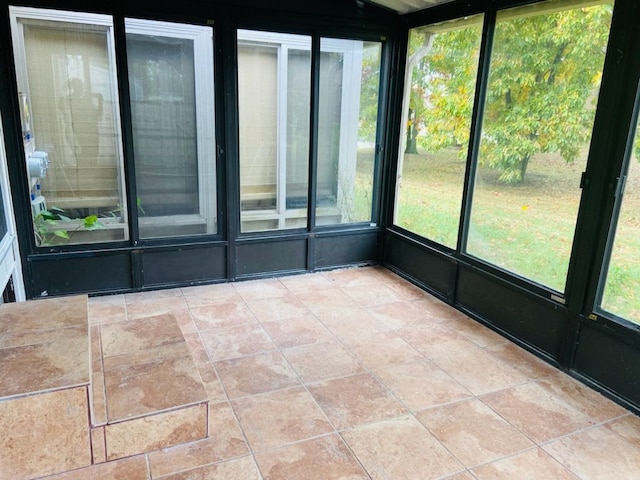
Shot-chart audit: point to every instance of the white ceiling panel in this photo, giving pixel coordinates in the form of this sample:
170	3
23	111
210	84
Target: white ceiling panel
406	6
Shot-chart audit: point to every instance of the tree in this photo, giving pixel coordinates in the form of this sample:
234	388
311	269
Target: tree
545	69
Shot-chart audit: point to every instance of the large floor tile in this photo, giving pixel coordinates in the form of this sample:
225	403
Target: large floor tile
233	342
321	361
293	332
534	464
402	449
243	468
382	350
540	414
422	385
221	315
324	458
597	453
357	399
277	418
268	309
254	374
473	432
133	468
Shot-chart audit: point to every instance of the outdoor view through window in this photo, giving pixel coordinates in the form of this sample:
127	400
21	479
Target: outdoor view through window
542	91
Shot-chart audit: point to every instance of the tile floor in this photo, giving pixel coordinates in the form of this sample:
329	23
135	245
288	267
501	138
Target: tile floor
356	374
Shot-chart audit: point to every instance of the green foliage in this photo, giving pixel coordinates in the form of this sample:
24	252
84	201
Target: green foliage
48	223
545	71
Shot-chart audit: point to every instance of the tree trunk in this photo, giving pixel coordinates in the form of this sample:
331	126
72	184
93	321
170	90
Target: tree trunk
412	138
523	167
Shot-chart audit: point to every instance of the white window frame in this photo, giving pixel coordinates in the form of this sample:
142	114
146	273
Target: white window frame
202	37
352	68
104	24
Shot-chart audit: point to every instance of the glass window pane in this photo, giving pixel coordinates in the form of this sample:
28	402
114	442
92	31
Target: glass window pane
442	65
347	124
66	72
274	78
172	118
540	105
620	292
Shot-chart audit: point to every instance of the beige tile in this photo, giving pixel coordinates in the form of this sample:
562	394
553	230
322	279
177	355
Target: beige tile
403	288
582	398
144	334
98	399
150	307
473	432
236	342
43	314
335	361
102	313
268	309
371	294
277	418
134	468
210	294
353	276
533	464
185	321
44	434
475	331
460	476
154	432
521	360
196	347
597	453
256	374
434	341
382	350
537	412
261	289
221	315
349	322
479	371
353	400
98	446
439	309
322	458
422	385
628	427
401	314
308	283
132	391
211	382
225	441
62	362
240	468
293	332
400	448
319	300
159	294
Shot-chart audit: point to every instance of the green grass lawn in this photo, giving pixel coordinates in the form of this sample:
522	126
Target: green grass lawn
528	228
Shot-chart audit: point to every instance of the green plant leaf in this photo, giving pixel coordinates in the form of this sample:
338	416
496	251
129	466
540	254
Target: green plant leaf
61	234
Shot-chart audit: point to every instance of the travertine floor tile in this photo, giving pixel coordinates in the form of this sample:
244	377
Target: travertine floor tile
133	468
350	322
354	400
321	361
401	314
319	459
479	371
225	441
235	342
371	294
221	315
319	300
400	448
293	332
260	289
143	307
382	350
254	374
240	468
628	427
435	341
277	418
354	276
523	361
210	294
596	453
44	434
422	385
303	284
540	414
473	432
533	464
268	309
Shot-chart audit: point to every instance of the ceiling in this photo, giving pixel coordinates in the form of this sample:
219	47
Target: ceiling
406	6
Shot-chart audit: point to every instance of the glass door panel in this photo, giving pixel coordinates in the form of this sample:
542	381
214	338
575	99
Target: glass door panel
536	129
620	284
66	74
173	129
